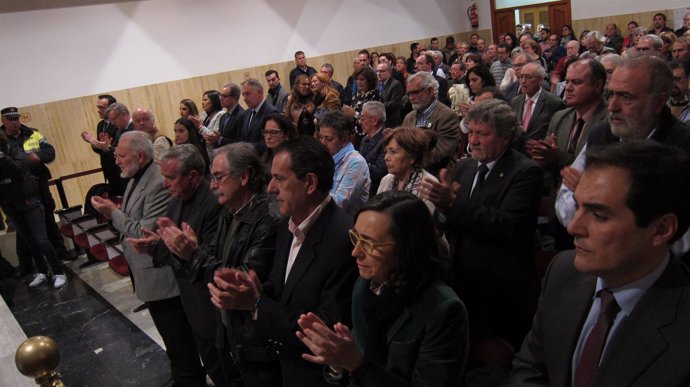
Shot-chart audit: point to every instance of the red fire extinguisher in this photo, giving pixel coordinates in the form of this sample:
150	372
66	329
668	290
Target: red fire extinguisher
473	14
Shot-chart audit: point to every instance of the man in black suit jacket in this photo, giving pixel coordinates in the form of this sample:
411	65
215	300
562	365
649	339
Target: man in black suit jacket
230	122
254	117
371	147
426	63
633	205
192	202
490	208
542	106
313	269
391	95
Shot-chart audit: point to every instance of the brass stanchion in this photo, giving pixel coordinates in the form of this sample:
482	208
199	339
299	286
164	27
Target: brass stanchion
37	357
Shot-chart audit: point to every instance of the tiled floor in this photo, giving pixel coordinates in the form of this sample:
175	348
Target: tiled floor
102	342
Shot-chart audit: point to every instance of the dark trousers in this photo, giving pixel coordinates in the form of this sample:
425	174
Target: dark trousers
31	230
169	318
201	315
24	252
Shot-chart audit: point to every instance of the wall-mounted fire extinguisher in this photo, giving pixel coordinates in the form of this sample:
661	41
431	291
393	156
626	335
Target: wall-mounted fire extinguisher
473	14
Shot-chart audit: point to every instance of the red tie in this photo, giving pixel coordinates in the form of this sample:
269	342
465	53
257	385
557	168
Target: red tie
527	115
594	345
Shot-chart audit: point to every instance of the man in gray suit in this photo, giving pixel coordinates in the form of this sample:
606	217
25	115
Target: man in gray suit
146	199
614	312
534	106
277	94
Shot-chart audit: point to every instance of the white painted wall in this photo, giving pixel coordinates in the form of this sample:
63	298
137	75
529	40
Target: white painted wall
61	53
56	54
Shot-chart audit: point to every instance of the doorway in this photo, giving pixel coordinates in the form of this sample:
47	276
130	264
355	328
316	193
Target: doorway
517	17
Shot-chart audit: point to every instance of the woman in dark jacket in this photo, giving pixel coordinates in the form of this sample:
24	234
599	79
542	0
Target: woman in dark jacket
409	328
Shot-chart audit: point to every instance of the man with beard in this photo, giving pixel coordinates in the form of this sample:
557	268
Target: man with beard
429	114
680	106
638	91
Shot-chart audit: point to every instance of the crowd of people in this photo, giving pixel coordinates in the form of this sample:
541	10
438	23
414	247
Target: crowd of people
384	232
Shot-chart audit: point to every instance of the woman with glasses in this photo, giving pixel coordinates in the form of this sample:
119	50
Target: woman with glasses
300	106
405	149
408	327
277	130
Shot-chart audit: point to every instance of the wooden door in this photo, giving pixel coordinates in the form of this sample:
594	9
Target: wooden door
559	14
504	21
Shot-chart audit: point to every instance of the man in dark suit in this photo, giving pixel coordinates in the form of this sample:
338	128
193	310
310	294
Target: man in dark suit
615	311
192	202
313	269
391	95
534	106
98	143
300	68
372	121
490	208
230	122
327	69
253	118
145	200
429	114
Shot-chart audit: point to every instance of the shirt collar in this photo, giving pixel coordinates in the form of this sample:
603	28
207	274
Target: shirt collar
300	231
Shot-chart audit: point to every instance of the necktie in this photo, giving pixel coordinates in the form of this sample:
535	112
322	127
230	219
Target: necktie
575	136
251	117
482	170
381	88
594	345
528	114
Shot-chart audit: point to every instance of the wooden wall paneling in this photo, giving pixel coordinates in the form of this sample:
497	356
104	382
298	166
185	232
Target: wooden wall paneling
644	19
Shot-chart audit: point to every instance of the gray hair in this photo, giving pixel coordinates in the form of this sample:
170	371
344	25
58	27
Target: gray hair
139	142
656	40
498	115
328	67
242	157
427	80
234	89
595	35
188	158
147	112
253	83
539	70
640	30
614	59
117	107
573	42
377	109
658	72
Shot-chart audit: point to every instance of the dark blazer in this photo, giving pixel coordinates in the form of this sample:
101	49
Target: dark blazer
544	109
373	152
561	124
650	348
427	343
201	212
442	90
254	133
669	131
392	100
491	238
141	207
320	281
230	126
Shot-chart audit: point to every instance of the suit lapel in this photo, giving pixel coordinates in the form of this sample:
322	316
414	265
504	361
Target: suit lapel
638	342
139	189
398	324
307	253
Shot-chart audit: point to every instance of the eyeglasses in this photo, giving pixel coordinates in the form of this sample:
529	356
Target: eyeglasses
219	179
367	245
414	93
272	133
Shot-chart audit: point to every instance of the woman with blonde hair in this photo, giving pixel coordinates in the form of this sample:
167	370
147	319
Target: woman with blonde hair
326	97
300	106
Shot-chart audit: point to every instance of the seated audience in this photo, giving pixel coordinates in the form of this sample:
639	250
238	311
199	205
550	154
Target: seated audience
373	123
408	327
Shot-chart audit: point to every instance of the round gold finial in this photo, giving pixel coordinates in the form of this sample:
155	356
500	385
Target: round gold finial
37	356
